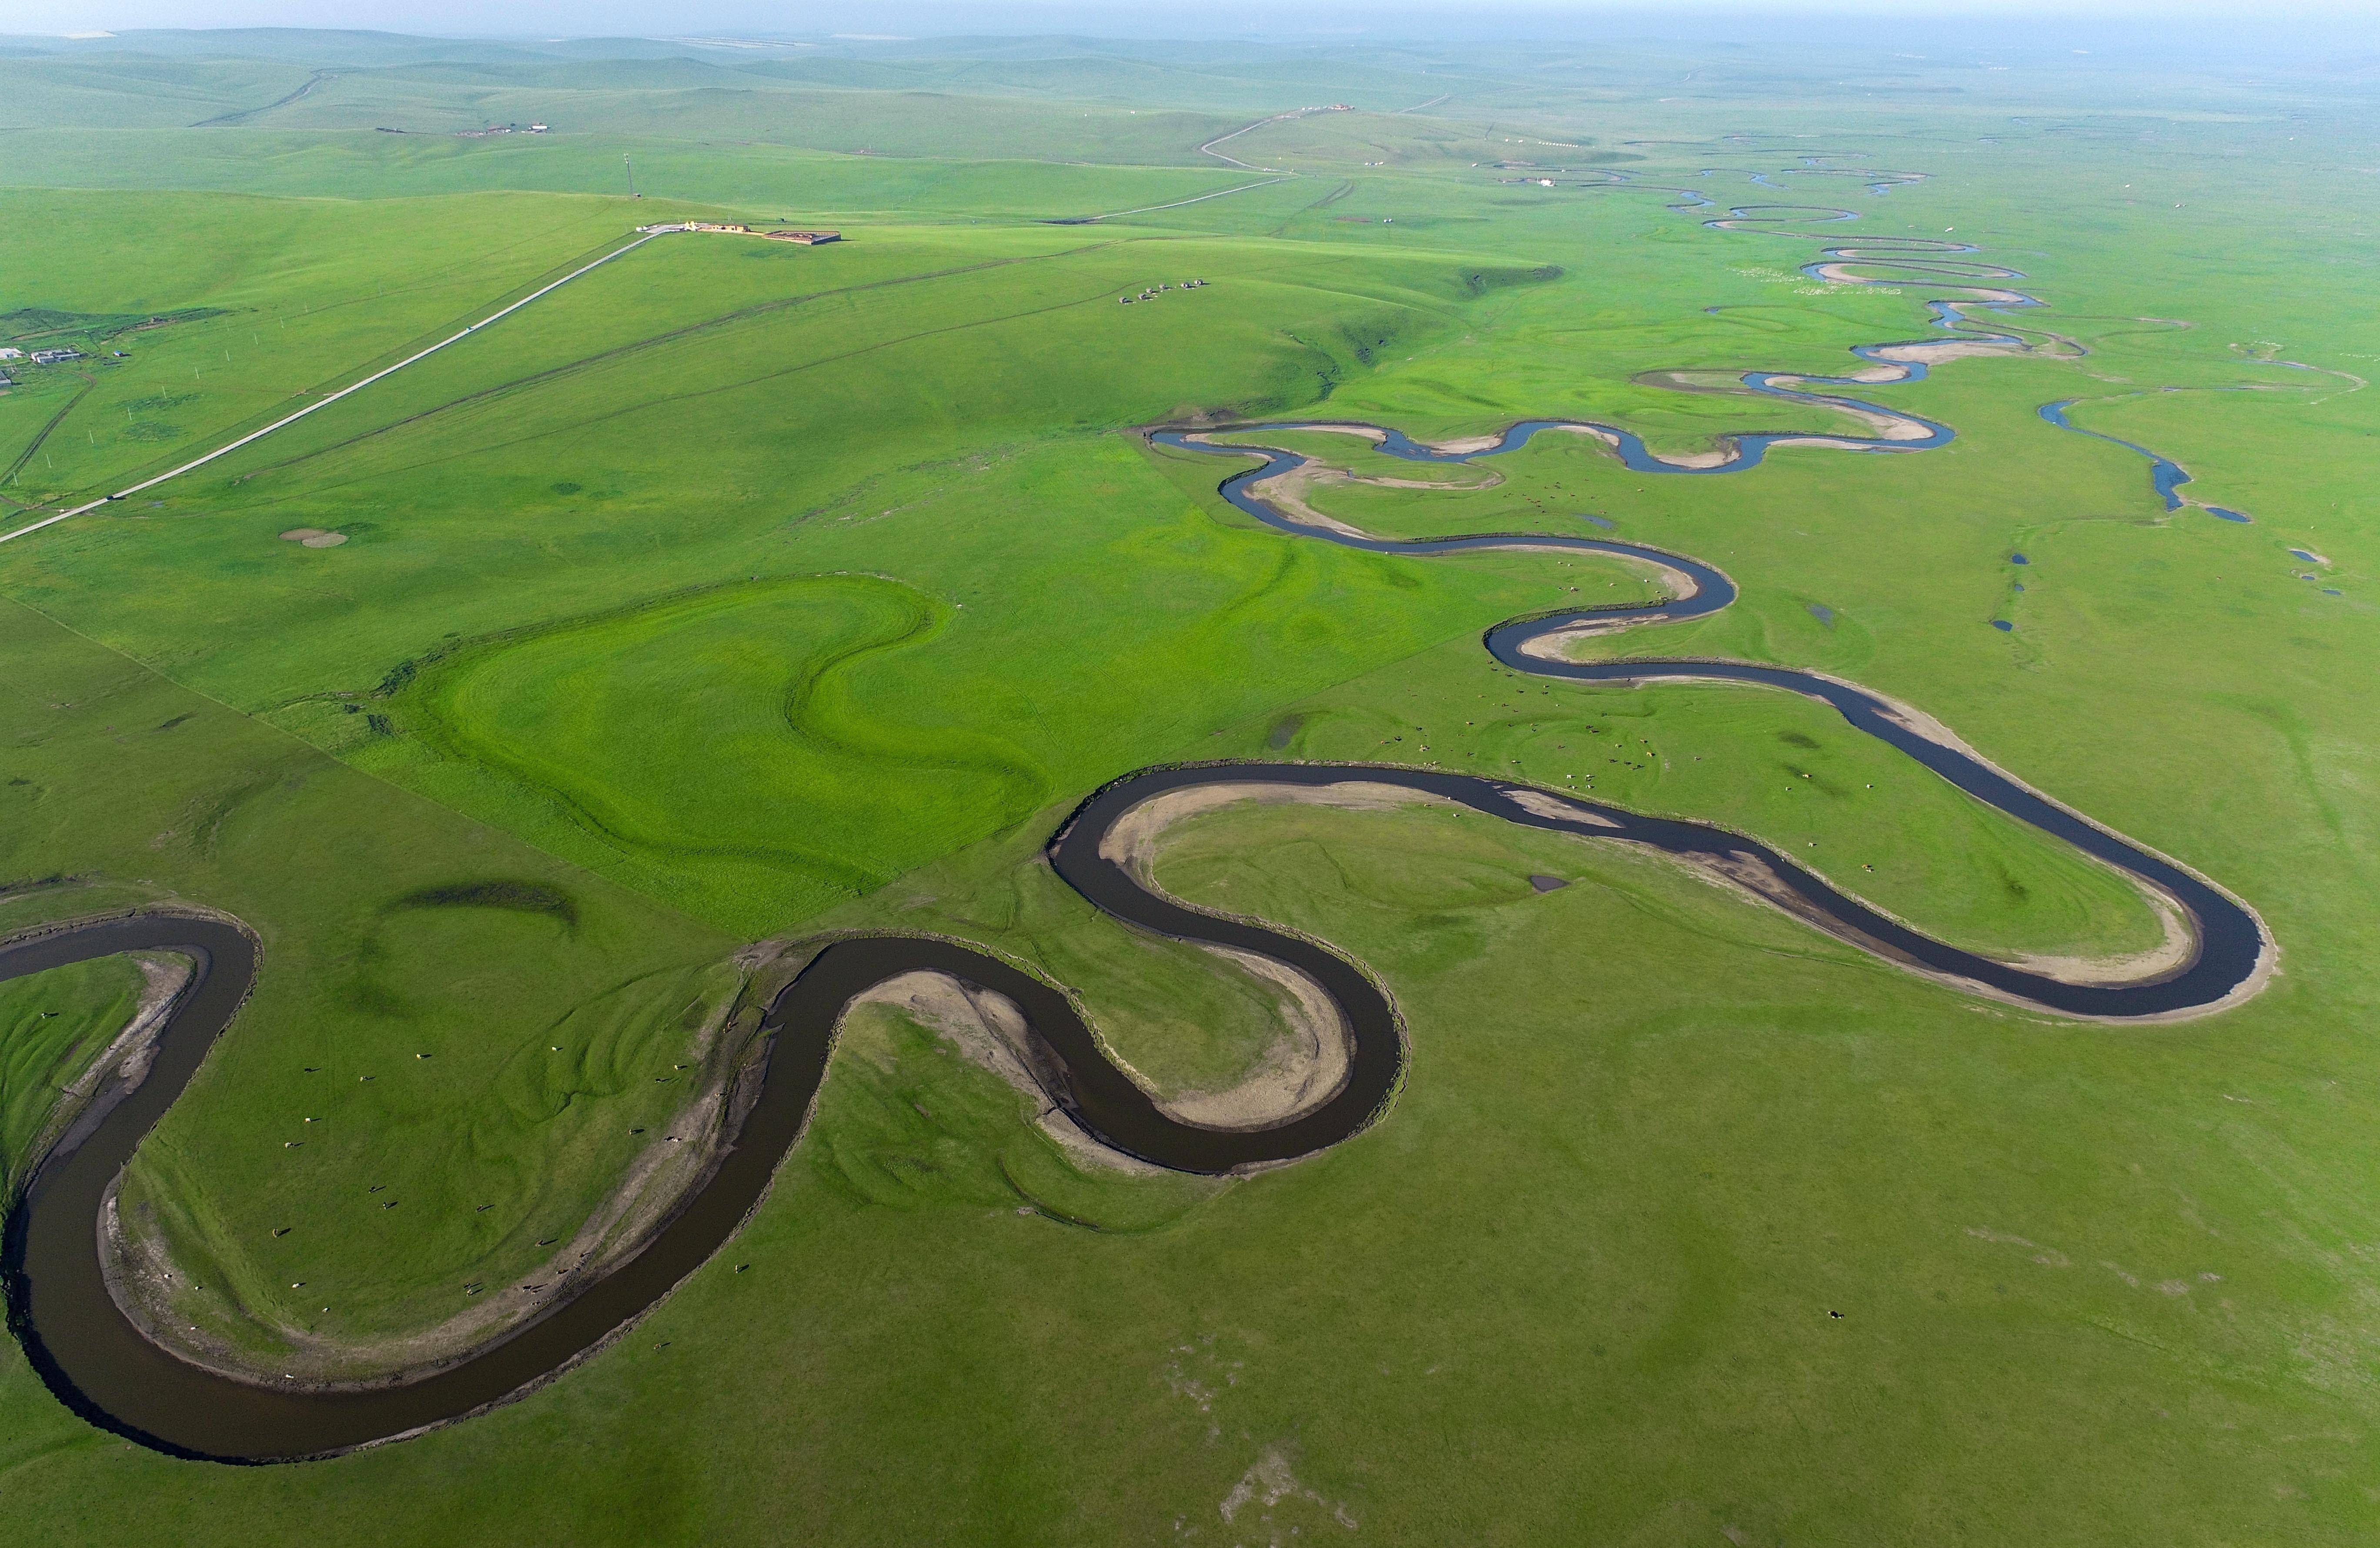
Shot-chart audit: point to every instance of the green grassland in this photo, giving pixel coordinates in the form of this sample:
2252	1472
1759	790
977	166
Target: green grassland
57	1023
736	593
763	179
554	1019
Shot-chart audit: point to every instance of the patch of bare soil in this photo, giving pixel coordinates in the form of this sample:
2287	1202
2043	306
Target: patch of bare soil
1287	491
1887	425
1369	433
1302	1067
1934	352
1308	1060
1546	805
1272	1483
1132	840
1465	446
987	1029
1713	458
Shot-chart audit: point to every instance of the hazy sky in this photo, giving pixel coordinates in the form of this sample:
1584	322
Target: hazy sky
1316	19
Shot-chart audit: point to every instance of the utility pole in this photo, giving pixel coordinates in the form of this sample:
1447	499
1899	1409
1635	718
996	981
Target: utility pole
632	174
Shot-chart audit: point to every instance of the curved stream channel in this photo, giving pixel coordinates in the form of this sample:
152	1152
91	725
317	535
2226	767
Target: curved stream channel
101	1365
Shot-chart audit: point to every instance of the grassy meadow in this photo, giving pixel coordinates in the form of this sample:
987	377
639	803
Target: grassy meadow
57	1022
738	592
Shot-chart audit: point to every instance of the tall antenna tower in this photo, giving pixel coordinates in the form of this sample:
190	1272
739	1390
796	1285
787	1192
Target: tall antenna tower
632	174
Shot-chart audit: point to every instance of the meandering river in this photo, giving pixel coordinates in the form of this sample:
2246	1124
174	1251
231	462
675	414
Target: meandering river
101	1365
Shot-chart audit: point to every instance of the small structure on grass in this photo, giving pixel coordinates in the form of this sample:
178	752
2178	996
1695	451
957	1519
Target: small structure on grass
736	228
